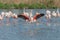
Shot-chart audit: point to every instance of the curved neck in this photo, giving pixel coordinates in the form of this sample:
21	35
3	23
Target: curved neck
24	10
31	14
57	10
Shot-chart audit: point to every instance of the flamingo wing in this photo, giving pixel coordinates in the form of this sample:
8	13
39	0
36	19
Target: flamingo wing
38	16
23	17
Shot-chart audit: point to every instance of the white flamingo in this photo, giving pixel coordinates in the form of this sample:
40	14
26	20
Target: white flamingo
8	15
2	14
54	14
48	15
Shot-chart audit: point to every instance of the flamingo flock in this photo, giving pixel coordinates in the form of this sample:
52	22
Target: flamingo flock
29	16
50	14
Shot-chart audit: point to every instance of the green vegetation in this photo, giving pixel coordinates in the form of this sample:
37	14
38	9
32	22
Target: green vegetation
29	6
50	4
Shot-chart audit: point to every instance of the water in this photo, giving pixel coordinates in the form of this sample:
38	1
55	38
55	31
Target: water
18	29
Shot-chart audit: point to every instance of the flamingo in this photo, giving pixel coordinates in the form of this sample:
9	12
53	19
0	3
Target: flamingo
28	17
31	19
58	14
54	14
25	13
8	15
37	16
2	14
48	15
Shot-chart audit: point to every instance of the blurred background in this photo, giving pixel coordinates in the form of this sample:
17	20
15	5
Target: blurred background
31	4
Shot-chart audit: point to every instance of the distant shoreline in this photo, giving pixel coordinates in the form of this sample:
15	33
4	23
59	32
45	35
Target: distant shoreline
27	6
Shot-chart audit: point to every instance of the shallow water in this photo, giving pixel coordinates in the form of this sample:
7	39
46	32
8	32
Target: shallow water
18	29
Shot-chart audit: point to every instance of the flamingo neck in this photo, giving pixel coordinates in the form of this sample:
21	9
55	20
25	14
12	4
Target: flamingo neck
58	11
31	14
24	11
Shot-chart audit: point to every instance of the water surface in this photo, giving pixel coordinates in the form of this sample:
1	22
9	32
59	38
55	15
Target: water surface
18	29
